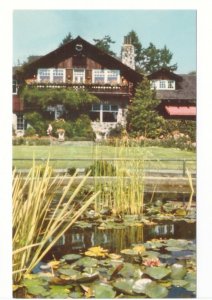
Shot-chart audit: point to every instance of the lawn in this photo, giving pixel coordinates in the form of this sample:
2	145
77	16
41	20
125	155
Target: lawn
75	151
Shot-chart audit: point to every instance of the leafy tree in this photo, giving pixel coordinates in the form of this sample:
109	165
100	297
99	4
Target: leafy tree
75	102
104	44
150	59
142	117
68	38
37	122
192	73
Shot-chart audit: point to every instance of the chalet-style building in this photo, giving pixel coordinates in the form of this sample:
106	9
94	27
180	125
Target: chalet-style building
81	65
177	94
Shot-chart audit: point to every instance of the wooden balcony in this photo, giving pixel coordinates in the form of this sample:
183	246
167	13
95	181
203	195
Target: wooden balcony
92	88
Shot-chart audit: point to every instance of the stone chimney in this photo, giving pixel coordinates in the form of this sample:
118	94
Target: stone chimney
128	53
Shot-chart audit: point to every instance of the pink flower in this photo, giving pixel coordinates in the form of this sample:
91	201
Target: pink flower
152	262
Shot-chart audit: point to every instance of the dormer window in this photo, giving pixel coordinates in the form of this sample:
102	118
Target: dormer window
163	84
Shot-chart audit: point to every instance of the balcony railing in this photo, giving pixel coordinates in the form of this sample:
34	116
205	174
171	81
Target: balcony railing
94	88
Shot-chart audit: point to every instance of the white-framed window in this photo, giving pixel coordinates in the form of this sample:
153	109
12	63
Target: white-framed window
104	112
20	122
44	75
171	84
163	84
58	75
103	76
15	87
51	75
79	75
113	76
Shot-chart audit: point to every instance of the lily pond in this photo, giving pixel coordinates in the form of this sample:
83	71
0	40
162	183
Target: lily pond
127	256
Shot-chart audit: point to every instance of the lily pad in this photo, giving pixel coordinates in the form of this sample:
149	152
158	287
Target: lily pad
104	291
157	272
71	273
154	290
139	287
82	224
129	252
150	253
165	256
37	291
177	243
173	249
59	291
35	286
181	212
71	257
191	277
178	271
124	286
84	278
97	252
76	295
87	262
153	244
179	282
130	271
191	287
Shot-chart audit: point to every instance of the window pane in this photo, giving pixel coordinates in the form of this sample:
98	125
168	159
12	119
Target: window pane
170	84
79	75
106	107
14	87
113	76
162	84
58	75
94	116
98	76
20	122
96	107
114	108
44	75
109	117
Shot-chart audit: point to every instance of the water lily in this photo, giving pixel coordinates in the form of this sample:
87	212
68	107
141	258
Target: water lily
152	262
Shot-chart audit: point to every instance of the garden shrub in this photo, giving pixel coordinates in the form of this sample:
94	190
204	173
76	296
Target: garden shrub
36	121
101	168
187	127
30	131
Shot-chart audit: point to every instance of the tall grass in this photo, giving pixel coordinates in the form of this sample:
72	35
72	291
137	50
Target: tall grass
192	190
35	220
122	187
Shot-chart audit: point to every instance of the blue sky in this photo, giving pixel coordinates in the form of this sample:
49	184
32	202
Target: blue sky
37	32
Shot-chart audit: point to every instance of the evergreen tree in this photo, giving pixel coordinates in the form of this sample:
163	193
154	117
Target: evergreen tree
142	117
137	44
68	38
150	59
105	44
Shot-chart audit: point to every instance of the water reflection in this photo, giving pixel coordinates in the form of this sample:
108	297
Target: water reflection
78	240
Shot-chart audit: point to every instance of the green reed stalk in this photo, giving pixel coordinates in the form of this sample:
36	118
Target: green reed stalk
32	203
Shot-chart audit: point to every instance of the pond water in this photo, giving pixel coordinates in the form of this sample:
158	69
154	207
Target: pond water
116	239
110	257
79	240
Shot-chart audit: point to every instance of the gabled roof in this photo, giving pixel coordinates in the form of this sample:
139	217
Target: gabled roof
186	90
164	73
53	58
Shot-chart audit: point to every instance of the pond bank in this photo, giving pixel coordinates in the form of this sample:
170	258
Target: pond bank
156	184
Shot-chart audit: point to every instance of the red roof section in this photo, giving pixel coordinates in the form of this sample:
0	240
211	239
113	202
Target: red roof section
181	110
